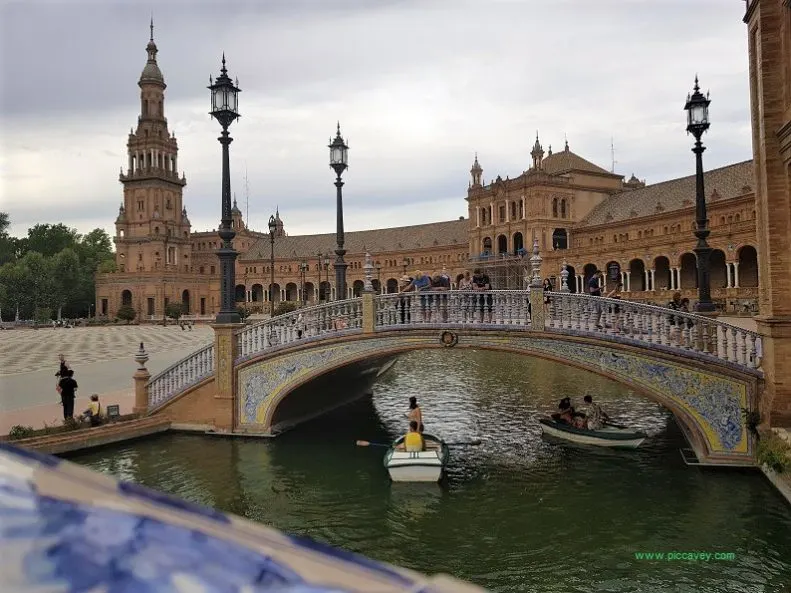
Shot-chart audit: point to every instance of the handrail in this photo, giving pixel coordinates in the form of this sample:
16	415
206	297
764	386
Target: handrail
180	376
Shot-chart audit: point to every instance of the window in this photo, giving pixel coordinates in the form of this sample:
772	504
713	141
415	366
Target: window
141	205
211	270
502	213
563	208
555	208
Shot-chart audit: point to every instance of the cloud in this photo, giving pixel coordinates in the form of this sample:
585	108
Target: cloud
418	86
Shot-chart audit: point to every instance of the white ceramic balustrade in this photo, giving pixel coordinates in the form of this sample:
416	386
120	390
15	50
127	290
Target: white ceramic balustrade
649	324
570	313
494	307
321	320
180	376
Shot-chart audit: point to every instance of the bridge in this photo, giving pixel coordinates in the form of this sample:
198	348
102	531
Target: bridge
706	372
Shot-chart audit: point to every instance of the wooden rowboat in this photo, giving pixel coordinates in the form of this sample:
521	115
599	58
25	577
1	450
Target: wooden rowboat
417	466
607	436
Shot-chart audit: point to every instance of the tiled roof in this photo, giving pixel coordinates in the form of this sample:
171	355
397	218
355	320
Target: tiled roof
565	161
405	238
721	184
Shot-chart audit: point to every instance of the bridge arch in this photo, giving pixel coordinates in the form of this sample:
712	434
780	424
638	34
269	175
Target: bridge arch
707	402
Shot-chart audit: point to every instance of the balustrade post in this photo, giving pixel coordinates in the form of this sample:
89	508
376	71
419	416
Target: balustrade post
368	312
226	347
141	378
537	315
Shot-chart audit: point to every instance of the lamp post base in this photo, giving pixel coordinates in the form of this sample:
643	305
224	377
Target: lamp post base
227	317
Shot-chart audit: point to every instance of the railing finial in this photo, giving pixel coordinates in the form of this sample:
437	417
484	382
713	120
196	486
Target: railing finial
535	265
141	358
368	285
564	277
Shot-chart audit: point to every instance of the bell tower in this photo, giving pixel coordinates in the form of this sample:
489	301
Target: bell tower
152	229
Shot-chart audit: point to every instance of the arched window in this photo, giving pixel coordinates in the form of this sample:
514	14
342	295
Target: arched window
563	208
555	207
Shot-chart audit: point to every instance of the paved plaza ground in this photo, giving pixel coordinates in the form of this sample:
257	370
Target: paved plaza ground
102	359
103	363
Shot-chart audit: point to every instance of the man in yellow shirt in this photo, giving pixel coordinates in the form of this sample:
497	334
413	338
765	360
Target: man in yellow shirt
413	440
94	411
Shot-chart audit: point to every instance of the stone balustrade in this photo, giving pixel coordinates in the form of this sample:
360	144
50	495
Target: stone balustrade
180	376
304	324
624	321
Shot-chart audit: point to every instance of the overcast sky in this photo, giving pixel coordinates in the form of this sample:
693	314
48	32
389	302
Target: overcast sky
418	86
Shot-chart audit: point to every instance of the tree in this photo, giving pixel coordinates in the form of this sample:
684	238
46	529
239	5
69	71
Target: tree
173	310
126	313
66	274
49	239
7	243
34	283
11	279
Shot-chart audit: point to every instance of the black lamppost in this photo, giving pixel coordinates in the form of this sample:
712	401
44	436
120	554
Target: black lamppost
339	153
303	270
272	229
224	108
321	259
327	289
379	277
697	108
405	263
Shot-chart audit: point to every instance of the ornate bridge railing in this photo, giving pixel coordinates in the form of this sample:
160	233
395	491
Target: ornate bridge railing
497	307
306	324
180	376
563	313
574	314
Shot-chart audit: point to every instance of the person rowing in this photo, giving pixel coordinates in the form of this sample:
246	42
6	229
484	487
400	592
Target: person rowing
413	440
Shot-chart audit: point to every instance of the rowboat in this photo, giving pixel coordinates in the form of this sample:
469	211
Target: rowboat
417	466
608	436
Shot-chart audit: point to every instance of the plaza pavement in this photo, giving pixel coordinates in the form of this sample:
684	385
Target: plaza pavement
102	359
103	363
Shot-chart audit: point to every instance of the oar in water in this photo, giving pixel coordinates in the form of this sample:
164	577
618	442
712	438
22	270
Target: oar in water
621	426
387	445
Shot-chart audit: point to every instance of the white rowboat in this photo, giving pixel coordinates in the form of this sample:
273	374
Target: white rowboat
607	436
417	466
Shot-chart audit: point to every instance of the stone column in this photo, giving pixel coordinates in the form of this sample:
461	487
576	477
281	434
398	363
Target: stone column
141	378
653	279
225	398
477	216
728	275
735	274
646	279
369	312
628	284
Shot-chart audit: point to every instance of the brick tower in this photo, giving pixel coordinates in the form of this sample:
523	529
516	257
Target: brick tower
152	228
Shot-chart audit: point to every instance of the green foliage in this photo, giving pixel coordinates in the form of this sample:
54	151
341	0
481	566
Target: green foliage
244	313
107	266
54	266
285	307
173	310
126	313
752	418
20	432
42	315
774	452
71	424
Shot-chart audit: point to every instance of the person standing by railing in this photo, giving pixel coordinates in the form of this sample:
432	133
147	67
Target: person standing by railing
480	283
594	289
615	293
403	302
466	282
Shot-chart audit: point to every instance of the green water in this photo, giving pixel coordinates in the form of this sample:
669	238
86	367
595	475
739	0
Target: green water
517	513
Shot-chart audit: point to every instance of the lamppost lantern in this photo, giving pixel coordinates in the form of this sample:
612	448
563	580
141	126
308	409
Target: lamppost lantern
225	109
272	229
224	97
697	108
339	153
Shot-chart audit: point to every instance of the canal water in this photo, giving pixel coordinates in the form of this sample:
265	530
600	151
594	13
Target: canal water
517	513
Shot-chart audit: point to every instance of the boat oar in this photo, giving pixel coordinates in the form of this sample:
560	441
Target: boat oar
621	426
472	443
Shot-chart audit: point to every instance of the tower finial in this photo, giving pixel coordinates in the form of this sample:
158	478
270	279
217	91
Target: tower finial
566	139
152	27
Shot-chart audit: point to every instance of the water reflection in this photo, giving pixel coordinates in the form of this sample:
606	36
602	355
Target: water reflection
513	509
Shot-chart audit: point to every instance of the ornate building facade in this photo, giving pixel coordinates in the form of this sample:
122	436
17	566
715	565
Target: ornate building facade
583	217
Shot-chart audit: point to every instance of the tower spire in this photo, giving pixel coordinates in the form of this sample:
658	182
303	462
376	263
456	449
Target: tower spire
151	38
537	153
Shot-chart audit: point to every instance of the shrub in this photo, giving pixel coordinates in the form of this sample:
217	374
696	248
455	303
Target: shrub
244	313
43	315
126	313
752	418
71	424
20	432
173	310
774	452
286	307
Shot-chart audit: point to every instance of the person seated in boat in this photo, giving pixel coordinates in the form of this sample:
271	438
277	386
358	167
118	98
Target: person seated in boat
565	411
413	440
595	417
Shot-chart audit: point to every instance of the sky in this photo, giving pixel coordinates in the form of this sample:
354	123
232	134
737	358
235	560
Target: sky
419	86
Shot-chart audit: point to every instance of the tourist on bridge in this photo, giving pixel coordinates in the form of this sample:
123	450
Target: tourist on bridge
415	414
421	283
403	302
481	282
441	283
615	293
67	387
594	289
466	282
